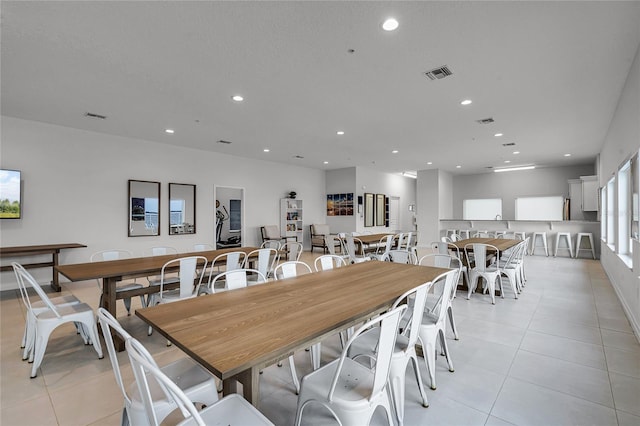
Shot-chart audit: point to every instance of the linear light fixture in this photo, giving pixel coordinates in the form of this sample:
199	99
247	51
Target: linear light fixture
412	175
513	169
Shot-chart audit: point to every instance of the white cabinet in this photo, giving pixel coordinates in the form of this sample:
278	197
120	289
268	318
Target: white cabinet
589	193
291	219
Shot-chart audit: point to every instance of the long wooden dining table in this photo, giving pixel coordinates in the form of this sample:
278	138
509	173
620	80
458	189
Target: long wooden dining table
237	333
113	271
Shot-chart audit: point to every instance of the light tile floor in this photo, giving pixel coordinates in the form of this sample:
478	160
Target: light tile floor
562	354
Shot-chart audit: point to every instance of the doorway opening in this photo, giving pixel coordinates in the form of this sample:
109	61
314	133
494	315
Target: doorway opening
229	216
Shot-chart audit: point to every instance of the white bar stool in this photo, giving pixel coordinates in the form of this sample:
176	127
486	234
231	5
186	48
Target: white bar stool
567	236
582	235
464	234
451	231
522	235
534	244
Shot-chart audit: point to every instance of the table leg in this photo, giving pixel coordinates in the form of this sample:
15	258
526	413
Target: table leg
109	303
250	380
55	284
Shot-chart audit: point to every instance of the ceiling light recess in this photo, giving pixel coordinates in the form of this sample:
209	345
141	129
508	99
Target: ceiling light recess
466	102
170	131
513	169
390	24
237	98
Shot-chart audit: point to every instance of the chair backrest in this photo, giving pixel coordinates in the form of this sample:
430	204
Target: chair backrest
443	287
191	270
388	322
141	366
320	229
271	244
482	234
385	244
476	255
350	247
446	239
419	296
293	250
22	275
236	279
439	260
267	258
107	255
329	261
159	251
270	232
108	323
455	237
202	247
400	256
330	243
231	260
290	269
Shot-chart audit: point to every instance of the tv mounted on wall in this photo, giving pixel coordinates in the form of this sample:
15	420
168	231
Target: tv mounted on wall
10	194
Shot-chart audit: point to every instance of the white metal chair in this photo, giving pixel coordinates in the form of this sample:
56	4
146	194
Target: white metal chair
271	244
267	260
190	273
36	307
156	387
384	246
328	261
230	261
350	249
159	251
196	382
292	250
446	261
235	279
404	348
511	268
349	390
434	322
108	255
400	256
477	256
46	320
289	270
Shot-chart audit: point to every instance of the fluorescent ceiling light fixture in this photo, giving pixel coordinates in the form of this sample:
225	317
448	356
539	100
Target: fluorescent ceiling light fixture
412	175
237	98
497	135
170	131
340	133
390	24
266	150
466	102
567	155
395	151
513	169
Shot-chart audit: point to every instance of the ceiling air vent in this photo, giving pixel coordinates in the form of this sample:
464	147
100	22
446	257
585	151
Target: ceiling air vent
489	167
509	144
97	116
486	120
439	73
224	142
298	156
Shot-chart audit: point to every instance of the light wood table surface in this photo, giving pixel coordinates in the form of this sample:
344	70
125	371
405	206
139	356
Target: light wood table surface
113	271
235	334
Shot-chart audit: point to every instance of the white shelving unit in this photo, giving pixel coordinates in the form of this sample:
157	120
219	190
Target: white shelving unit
291	219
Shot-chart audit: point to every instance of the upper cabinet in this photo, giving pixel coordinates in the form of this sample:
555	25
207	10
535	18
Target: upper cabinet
589	193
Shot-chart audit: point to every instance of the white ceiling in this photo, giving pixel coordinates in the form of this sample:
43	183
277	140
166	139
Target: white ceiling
549	73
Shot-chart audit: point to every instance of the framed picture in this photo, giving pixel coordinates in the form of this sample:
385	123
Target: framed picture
368	209
380	210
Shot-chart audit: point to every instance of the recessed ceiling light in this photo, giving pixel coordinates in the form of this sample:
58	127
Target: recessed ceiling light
429	163
171	131
340	133
458	167
507	161
266	150
567	155
395	151
390	24
516	152
326	162
497	135
237	98
466	102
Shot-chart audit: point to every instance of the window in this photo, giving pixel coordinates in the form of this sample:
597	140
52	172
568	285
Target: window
482	209
635	202
624	205
603	213
611	211
540	208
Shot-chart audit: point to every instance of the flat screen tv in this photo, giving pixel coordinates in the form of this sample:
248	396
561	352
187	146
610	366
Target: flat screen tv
10	194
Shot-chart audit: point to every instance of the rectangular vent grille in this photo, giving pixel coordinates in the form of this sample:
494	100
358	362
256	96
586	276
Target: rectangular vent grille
439	73
509	144
486	120
299	157
224	142
97	116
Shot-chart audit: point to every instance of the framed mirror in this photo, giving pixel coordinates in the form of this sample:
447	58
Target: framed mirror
144	208
182	208
380	210
368	209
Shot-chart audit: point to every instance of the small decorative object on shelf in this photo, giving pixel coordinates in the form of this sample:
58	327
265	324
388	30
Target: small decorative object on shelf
292	194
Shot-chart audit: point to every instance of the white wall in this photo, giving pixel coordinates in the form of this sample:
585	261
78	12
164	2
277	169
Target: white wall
75	189
622	141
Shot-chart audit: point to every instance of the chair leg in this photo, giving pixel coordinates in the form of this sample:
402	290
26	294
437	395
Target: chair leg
127	305
452	322
445	348
294	375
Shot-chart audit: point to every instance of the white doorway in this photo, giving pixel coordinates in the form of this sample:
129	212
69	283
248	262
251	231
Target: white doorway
228	216
394	214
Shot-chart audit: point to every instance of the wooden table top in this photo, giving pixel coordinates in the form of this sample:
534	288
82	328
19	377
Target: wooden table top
499	243
234	331
371	238
136	266
44	248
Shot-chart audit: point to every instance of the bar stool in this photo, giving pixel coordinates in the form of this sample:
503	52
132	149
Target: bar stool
567	236
534	244
450	231
464	234
522	235
582	235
